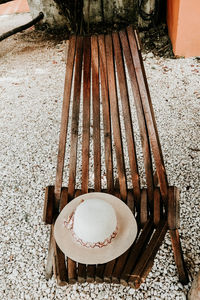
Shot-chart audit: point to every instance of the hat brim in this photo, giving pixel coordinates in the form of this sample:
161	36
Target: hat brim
127	231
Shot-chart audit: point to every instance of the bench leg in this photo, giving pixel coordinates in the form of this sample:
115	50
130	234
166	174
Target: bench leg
178	256
50	257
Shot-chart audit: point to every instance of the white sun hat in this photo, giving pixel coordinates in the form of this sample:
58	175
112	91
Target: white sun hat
95	228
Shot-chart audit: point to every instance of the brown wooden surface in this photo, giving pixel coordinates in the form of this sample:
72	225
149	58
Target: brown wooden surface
75	118
120	262
143	207
99	273
50	257
91	269
136	251
108	270
65	116
140	115
86	114
173	208
71	269
144	263
106	114
178	256
148	112
99	59
63	198
81	268
115	117
157	213
96	114
61	270
126	115
81	273
48	211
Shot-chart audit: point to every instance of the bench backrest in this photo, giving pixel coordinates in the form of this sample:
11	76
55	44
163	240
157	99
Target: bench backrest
106	97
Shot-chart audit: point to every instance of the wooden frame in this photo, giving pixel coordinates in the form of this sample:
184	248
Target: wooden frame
106	69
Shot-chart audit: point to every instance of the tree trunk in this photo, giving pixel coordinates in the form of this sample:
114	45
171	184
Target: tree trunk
83	16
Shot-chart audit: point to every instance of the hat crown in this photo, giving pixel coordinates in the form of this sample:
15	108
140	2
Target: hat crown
94	221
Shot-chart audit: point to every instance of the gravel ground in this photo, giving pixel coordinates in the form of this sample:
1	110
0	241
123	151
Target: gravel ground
31	88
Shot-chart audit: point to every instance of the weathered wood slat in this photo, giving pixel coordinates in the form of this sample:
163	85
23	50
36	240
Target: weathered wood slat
86	114
106	114
99	273
81	273
71	268
108	270
178	256
61	270
91	269
143	207
173	208
65	116
115	117
126	115
49	210
50	257
75	118
140	115
148	112
63	198
96	114
60	262
75	272
157	213
136	251
120	263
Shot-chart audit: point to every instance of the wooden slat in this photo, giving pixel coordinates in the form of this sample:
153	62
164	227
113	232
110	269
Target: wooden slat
143	207
148	112
127	116
148	255
120	263
115	117
65	116
106	114
157	213
81	268
108	270
173	208
140	115
60	266
75	118
71	268
50	257
136	251
96	113
91	269
49	210
63	198
81	273
178	256
99	273
86	115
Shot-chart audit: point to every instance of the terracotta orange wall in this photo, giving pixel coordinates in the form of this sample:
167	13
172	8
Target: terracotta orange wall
17	6
183	18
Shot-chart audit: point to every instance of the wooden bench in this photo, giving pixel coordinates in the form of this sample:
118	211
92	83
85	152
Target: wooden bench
107	111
